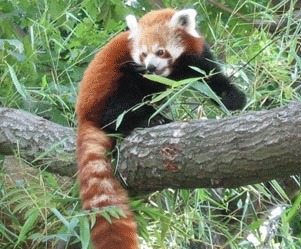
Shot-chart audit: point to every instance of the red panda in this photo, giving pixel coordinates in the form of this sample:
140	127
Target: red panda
163	42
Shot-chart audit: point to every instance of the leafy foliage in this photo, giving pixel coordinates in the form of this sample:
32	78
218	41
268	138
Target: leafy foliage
45	47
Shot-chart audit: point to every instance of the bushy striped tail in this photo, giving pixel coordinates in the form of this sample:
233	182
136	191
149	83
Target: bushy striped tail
99	188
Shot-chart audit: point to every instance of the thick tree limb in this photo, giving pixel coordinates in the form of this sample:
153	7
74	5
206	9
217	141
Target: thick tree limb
245	149
37	139
250	148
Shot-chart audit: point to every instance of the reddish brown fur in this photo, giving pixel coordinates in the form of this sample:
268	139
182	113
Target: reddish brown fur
97	85
159	17
99	81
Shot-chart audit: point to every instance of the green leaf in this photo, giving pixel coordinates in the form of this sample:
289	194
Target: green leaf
294	210
19	87
119	119
44	82
254	225
13	42
60	216
84	229
59	236
116	212
161	96
187	81
72	225
106	216
280	191
169	101
138	106
160	79
288	92
28	225
5	232
50	179
204	88
198	70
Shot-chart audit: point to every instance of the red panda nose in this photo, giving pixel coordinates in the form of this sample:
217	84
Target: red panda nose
151	68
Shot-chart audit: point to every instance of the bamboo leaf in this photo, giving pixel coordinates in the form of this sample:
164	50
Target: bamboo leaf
119	119
84	229
60	217
106	216
28	225
160	79
19	87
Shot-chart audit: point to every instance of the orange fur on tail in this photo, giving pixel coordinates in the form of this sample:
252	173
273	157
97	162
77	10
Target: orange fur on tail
98	187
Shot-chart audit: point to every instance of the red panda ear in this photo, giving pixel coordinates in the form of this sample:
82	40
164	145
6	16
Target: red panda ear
185	19
132	24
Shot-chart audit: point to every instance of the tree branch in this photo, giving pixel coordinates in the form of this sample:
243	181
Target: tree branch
37	139
230	152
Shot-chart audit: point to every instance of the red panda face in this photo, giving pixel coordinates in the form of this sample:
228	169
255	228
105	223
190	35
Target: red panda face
161	37
156	58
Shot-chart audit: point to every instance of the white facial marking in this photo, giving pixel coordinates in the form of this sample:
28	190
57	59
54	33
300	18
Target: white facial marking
175	50
136	56
148	60
135	49
165	72
132	24
143	49
155	47
161	64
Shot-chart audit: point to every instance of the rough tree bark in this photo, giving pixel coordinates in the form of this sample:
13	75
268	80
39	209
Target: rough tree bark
230	152
235	151
37	139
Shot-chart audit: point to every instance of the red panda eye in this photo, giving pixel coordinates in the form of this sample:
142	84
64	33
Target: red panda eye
160	52
144	54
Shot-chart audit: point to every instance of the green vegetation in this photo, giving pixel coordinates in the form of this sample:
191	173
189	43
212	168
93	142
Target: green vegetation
45	47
